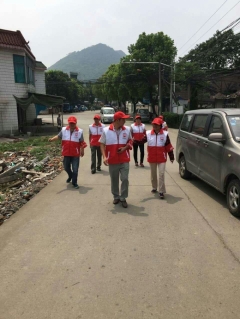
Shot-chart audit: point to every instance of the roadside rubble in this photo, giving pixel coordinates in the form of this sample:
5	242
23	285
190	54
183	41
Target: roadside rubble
22	176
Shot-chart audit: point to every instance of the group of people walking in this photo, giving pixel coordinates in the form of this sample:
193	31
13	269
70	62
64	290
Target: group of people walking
112	145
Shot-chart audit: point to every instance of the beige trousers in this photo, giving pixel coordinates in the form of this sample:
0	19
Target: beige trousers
158	183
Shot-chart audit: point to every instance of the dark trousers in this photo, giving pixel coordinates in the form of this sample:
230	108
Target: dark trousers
96	153
71	165
135	151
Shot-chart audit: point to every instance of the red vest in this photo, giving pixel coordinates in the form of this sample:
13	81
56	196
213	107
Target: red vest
157	151
138	131
114	142
70	142
96	132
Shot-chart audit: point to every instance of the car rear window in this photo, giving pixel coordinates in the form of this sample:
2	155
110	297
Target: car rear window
186	122
199	124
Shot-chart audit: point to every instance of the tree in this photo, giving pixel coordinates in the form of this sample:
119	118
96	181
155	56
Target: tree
59	83
197	68
219	52
154	47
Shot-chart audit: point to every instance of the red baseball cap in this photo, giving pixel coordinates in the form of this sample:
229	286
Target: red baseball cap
138	116
120	115
72	119
161	117
157	121
96	116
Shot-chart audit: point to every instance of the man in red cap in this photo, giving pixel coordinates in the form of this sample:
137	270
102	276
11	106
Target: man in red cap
72	148
95	132
159	145
115	143
138	132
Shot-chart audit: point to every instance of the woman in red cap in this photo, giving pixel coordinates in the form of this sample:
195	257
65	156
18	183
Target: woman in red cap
159	145
95	132
138	132
164	125
72	148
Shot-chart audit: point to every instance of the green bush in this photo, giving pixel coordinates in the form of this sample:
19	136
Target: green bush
173	120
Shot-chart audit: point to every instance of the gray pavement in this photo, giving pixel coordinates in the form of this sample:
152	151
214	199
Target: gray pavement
73	254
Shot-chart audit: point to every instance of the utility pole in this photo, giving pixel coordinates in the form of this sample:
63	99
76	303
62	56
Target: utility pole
159	80
171	88
160	91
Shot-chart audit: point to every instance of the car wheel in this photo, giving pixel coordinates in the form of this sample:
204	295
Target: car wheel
184	173
233	197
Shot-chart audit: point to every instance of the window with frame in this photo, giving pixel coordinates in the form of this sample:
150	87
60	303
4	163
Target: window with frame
216	125
19	68
187	119
30	65
199	124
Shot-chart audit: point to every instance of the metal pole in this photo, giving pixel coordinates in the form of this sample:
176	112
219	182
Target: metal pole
159	92
171	89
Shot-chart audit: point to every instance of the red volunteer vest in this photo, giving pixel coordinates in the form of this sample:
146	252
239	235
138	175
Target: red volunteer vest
96	132
157	151
114	142
70	142
138	131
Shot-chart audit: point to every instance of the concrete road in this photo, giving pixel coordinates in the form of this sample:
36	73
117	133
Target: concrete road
70	254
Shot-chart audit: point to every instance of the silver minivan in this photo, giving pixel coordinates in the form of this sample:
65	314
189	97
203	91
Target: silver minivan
208	146
107	114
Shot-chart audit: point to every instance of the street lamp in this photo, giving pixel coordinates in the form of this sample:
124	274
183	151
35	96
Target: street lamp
159	81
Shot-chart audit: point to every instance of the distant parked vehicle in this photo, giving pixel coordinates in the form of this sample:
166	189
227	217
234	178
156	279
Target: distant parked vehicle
75	108
144	113
67	108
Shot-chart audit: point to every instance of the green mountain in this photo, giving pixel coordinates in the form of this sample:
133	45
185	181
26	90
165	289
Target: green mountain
90	63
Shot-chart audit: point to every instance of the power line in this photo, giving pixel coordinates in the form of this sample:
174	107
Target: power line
203	25
232	24
213	26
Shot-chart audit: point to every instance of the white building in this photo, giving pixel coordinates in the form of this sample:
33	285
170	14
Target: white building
21	76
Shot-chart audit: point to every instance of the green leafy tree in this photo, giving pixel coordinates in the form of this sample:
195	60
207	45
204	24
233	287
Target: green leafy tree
219	52
59	83
194	70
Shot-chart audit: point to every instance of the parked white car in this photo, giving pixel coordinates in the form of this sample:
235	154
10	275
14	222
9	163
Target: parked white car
107	114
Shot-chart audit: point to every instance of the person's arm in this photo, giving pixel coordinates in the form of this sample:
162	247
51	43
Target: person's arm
129	144
82	145
169	149
90	136
54	138
102	148
102	142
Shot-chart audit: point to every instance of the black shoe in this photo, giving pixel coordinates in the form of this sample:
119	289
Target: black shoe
161	195
99	169
69	180
153	190
116	201
124	203
93	171
75	186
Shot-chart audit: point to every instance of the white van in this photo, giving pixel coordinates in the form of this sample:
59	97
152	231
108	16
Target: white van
107	114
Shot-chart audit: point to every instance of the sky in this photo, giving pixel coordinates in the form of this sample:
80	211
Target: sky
55	28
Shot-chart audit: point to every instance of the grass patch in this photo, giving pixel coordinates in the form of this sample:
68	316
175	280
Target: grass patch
38	147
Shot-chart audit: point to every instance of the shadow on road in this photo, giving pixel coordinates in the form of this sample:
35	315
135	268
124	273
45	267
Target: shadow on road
209	191
131	210
172	199
81	190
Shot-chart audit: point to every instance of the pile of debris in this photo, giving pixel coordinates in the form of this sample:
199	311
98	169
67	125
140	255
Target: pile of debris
21	177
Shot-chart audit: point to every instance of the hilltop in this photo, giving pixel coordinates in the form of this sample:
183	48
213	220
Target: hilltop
90	63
